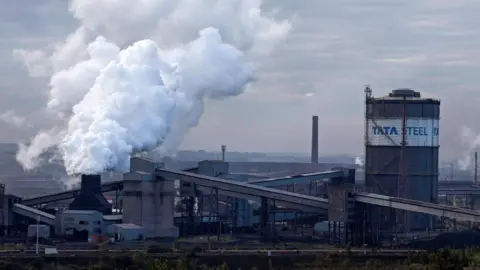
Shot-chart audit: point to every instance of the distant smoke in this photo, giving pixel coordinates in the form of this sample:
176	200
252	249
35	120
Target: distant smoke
114	100
471	140
10	117
359	161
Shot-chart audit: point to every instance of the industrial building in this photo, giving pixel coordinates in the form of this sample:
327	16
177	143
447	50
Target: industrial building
401	154
399	193
149	197
148	200
80	224
91	196
125	232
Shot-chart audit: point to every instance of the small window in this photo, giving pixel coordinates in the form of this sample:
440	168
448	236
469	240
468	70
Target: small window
81	222
98	222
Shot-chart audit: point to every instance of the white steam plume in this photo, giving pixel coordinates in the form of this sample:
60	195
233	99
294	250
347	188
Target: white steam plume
114	101
359	161
471	140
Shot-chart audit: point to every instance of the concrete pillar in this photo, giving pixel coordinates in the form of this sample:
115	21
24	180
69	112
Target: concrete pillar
476	202
264	218
149	202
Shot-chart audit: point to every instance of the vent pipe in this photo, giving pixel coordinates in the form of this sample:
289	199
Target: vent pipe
314	156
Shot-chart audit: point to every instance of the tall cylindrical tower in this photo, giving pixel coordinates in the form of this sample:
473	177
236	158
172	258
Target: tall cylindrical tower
401	154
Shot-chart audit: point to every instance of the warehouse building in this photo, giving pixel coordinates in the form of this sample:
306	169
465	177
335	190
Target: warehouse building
80	224
125	232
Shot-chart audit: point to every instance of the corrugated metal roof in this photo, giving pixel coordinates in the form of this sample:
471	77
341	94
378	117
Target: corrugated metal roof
112	217
128	226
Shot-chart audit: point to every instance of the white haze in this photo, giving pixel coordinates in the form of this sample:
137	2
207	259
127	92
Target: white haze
471	140
359	161
135	75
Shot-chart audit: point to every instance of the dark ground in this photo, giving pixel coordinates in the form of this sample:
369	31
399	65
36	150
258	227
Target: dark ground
287	262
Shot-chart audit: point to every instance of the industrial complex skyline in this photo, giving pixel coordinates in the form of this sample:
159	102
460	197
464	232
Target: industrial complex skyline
334	49
344	123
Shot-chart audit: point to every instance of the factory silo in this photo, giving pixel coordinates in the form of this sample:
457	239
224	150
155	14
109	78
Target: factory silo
401	155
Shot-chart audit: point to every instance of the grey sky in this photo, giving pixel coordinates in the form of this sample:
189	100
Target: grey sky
335	48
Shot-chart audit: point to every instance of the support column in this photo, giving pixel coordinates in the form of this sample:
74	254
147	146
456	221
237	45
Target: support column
232	206
190	222
214	212
116	202
341	206
217	214
200	203
264	216
236	213
273	227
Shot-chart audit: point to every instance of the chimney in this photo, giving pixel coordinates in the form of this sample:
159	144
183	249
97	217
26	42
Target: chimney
90	196
224	149
476	169
314	139
91	184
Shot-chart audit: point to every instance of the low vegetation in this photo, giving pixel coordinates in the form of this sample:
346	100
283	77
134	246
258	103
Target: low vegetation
442	260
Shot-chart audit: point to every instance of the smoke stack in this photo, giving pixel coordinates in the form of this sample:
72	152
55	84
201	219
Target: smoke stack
314	139
476	169
91	184
224	149
90	196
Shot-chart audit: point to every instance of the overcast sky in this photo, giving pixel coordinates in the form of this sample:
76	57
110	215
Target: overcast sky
334	49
